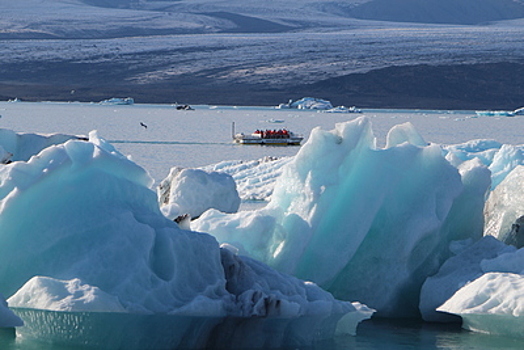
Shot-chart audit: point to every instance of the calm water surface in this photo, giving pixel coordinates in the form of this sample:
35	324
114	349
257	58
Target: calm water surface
203	136
372	335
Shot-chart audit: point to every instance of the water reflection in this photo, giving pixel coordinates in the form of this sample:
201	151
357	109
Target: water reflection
372	334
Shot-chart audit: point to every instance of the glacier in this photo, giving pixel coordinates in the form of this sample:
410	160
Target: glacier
95	256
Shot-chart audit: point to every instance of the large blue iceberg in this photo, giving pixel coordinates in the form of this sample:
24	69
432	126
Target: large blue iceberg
85	253
411	229
366	223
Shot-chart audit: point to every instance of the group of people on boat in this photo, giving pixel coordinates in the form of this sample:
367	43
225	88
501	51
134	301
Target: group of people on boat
273	134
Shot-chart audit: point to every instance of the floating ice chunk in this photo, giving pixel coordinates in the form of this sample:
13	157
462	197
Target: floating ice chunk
91	210
255	179
500	113
505	205
47	293
484	150
343	109
22	146
507	159
7	317
404	133
118	101
493	303
193	191
455	273
308	103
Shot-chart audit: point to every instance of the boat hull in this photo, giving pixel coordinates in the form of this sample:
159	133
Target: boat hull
295	141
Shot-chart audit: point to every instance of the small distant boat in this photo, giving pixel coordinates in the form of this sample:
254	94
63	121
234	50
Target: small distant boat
281	137
183	107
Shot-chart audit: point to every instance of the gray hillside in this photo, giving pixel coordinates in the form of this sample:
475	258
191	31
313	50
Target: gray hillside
439	11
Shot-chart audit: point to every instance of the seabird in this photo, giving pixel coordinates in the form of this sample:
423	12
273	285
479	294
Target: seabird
144	125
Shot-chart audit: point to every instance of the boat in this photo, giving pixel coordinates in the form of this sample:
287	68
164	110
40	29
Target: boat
281	137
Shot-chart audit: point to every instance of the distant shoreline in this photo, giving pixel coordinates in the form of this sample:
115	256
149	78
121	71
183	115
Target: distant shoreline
444	87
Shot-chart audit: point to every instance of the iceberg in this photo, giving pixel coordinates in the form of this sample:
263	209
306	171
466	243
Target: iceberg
307	103
505	208
493	303
193	191
343	109
45	293
481	284
490	113
22	146
484	150
255	179
118	101
87	258
461	269
343	207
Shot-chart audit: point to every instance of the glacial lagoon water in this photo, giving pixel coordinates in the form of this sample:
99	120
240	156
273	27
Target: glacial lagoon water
203	136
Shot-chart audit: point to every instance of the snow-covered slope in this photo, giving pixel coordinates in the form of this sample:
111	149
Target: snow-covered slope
119	18
102	19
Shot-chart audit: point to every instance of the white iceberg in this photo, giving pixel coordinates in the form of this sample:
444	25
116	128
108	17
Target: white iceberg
46	293
22	146
505	160
343	109
483	150
493	303
193	191
344	207
504	207
457	272
490	113
88	258
255	179
118	101
307	103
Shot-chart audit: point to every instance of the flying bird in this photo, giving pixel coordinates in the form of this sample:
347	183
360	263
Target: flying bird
144	125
